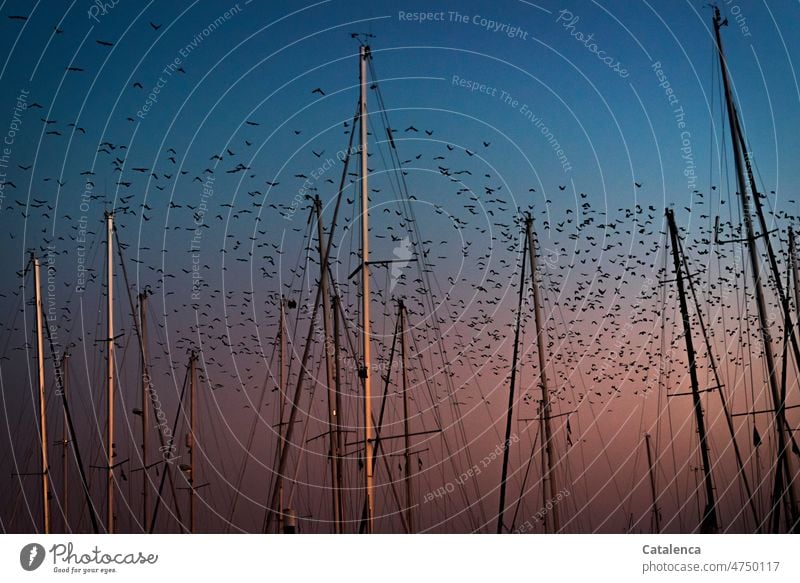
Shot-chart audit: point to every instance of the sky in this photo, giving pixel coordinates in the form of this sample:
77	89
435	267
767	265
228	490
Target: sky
203	126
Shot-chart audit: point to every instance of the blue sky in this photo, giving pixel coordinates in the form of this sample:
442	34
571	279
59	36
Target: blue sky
573	131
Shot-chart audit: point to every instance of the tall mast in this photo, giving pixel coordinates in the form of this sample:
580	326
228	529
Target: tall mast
282	390
656	516
512	383
191	438
333	411
407	440
785	483
42	401
145	412
795	277
286	439
364	55
551	517
338	380
65	446
110	375
708	522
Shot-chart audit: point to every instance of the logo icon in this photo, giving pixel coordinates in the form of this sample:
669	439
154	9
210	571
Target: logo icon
31	556
403	254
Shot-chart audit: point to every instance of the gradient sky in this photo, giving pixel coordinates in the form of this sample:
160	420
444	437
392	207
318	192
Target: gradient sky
260	64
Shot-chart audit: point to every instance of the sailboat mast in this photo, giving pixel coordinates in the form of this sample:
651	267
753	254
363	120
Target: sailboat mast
282	408
333	412
145	412
42	401
708	522
552	517
407	440
795	276
338	381
110	375
763	316
65	446
192	439
656	517
364	55
512	384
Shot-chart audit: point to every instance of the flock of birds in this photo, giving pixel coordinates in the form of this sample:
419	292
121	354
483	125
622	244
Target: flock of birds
611	326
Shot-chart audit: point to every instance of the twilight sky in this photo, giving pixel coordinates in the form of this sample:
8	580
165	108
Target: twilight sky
204	126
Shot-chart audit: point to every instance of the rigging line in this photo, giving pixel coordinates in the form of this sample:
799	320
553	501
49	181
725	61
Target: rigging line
417	353
18	426
779	488
329	245
250	439
572	387
475	523
604	447
525	478
153	400
270	511
413	221
634	481
742	157
73	436
379	428
206	403
273	484
351	343
168	462
425	269
747	338
723	319
661	397
303	438
720	391
554	311
301	275
667	401
512	382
